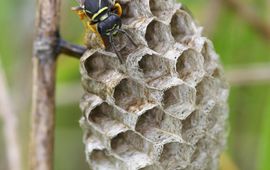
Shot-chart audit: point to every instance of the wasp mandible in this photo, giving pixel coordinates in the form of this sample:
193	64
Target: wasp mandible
104	19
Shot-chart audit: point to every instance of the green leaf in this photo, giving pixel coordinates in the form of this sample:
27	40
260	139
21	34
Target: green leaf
264	151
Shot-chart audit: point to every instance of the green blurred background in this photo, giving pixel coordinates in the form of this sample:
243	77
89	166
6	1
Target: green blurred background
239	44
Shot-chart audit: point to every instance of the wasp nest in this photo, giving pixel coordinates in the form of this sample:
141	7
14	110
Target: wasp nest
165	106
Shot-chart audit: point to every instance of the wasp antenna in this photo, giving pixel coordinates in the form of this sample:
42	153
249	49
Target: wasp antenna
129	37
114	48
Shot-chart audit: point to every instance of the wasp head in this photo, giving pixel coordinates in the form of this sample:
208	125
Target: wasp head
109	24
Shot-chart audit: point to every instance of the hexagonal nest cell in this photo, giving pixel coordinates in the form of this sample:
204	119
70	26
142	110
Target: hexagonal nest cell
202	88
161	10
131	12
102	67
210	90
123	44
151	119
105	118
182	26
190	66
218	74
155	69
99	158
179	101
130	96
132	148
216	124
212	148
210	57
158	36
194	127
176	155
199	160
154	126
213	116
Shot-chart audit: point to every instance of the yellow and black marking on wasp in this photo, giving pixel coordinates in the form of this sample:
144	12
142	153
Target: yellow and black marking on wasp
104	19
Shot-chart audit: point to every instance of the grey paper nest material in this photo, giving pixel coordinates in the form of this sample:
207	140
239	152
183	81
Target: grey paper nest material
165	108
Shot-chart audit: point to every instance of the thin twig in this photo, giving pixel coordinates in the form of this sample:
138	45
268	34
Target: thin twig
10	125
247	75
250	16
71	49
44	60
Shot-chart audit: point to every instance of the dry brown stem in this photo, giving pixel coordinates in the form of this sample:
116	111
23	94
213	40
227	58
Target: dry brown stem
47	47
257	73
10	125
44	60
250	16
71	49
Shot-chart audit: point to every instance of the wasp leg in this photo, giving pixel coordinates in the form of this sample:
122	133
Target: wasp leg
115	50
129	37
91	27
118	7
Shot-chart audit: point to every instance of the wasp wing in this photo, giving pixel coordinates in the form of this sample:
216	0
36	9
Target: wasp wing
81	2
76	8
112	2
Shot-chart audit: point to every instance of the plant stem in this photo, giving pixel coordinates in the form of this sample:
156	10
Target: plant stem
10	125
71	49
250	16
47	46
44	61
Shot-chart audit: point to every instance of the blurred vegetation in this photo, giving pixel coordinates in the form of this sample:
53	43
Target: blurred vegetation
235	40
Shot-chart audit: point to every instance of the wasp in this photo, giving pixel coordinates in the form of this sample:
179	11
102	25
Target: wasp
103	17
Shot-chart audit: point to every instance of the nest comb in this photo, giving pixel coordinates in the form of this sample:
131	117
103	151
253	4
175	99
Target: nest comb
165	107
